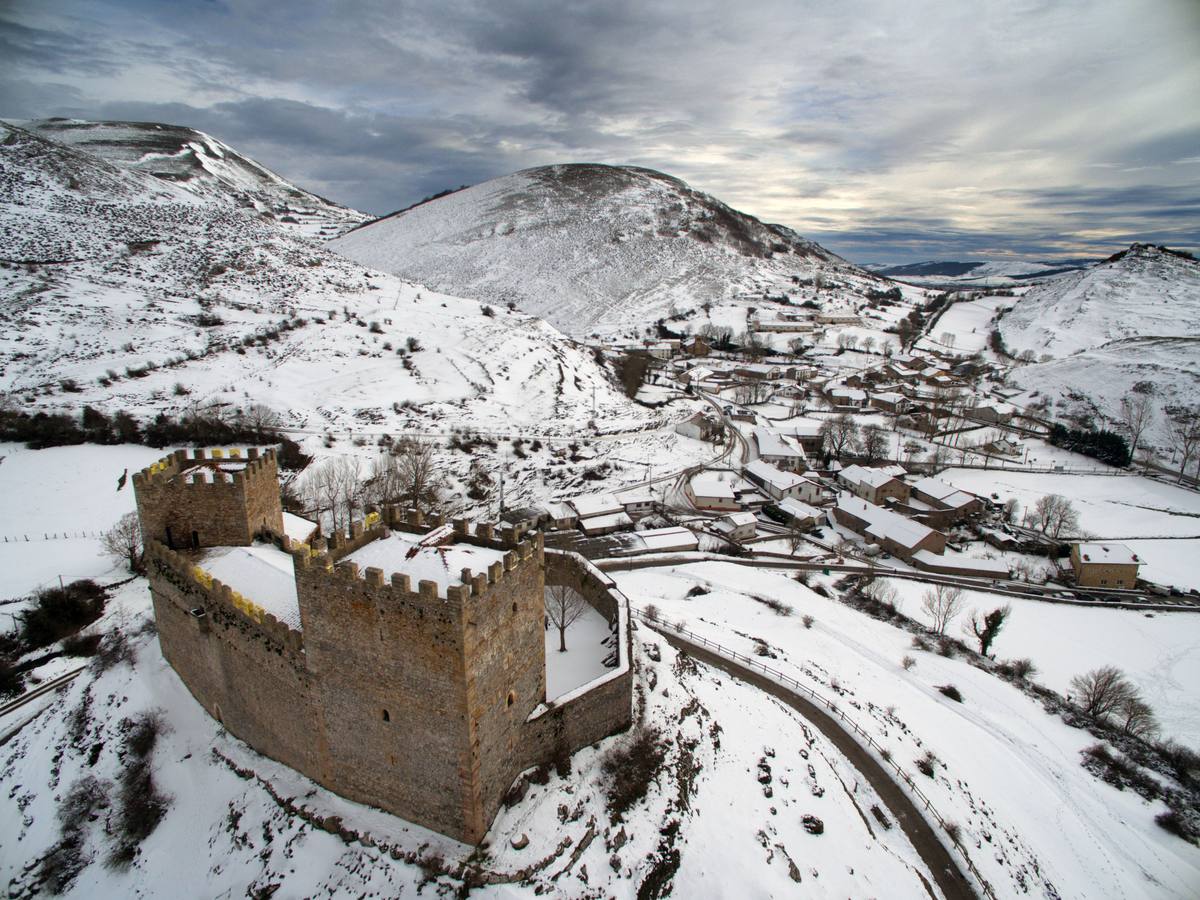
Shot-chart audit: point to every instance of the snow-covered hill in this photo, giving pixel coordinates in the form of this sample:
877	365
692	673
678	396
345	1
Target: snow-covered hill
203	166
128	292
1134	320
589	247
981	274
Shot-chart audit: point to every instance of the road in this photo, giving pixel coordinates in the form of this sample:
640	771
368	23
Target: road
949	877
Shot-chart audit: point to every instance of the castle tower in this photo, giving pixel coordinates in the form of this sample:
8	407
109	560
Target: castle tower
211	499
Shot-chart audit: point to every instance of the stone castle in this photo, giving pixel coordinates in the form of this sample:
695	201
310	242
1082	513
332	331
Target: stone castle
416	685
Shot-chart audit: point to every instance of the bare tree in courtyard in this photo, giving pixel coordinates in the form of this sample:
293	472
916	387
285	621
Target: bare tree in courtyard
942	603
874	442
124	542
1054	515
839	433
563	608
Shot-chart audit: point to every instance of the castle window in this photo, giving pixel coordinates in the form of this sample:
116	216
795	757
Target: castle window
387	717
512	697
514	607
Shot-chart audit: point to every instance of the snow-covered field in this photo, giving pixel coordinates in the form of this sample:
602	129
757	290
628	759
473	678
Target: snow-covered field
1035	820
1110	507
1159	651
964	327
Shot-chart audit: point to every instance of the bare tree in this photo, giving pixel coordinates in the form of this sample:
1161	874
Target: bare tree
564	606
911	447
1102	691
839	433
1011	508
124	542
1054	515
874	442
882	592
1136	414
942	603
1185	436
260	419
868	343
986	627
418	475
1136	717
795	539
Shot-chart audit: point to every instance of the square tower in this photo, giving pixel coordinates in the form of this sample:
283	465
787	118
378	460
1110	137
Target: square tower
217	498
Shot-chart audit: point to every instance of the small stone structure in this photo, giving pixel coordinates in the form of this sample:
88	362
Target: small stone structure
424	700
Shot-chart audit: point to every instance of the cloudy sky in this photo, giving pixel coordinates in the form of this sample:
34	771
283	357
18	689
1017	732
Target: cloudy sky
888	131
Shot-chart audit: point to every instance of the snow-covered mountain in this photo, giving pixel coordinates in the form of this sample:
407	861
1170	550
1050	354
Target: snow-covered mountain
980	273
1133	320
203	166
127	292
588	247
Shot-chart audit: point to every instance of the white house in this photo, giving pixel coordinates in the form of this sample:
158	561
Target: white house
738	526
776	482
637	501
780	449
709	490
801	514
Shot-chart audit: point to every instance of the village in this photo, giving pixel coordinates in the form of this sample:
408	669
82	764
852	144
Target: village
829	444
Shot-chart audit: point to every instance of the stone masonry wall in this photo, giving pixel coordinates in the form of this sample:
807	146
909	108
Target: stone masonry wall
605	709
250	677
387	669
227	511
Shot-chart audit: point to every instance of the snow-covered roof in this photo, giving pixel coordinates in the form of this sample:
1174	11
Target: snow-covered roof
297	527
848	393
262	573
883	523
772	443
776	478
559	510
945	494
803	428
740	518
441	563
875	478
603	523
1108	554
966	563
668	538
588	505
710	484
641	494
798	509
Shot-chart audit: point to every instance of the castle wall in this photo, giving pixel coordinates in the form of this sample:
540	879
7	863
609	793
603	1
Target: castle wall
603	708
226	511
373	647
505	651
250	676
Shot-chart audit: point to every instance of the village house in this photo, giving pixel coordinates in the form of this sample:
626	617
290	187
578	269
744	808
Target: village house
800	515
696	346
712	490
560	516
889	401
874	484
894	533
738	526
842	397
1105	565
637	501
947	505
675	539
600	514
807	433
779	484
780	450
700	426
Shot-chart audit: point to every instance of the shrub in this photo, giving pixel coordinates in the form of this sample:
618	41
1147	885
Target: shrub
776	606
697	590
808	621
919	643
953	831
63	862
82	645
629	768
908	662
949	690
651	613
413	345
927	764
141	806
58	612
114	649
1020	669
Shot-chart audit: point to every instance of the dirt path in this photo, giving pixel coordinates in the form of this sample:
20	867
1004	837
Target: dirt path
951	882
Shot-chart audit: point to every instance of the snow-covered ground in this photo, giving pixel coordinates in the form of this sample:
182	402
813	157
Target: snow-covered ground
1035	820
1159	651
1111	507
583	660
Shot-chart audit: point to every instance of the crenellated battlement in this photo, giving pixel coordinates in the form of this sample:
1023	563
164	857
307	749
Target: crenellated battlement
210	595
215	465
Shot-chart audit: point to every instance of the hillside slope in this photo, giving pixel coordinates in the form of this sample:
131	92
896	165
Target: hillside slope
126	292
205	167
1133	321
588	247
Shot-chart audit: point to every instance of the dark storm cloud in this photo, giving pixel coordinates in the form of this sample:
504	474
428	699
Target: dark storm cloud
927	130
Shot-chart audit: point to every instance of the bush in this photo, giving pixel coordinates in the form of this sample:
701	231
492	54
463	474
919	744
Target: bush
927	764
63	862
630	767
114	649
82	645
808	621
949	690
59	612
776	606
953	831
1020	669
697	590
908	662
141	806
